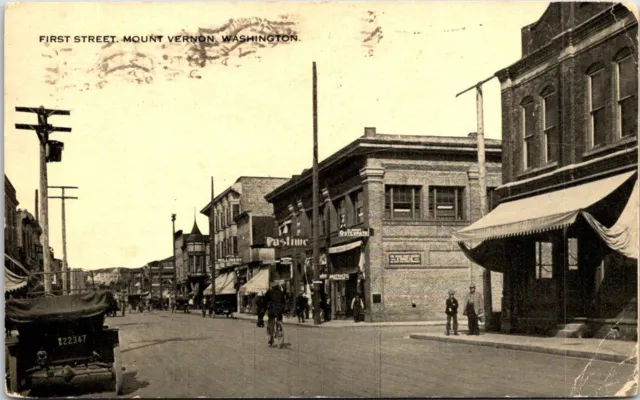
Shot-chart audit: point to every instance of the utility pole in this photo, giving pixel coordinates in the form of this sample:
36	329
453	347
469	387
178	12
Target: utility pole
173	246
50	151
36	202
65	263
482	180
212	251
316	189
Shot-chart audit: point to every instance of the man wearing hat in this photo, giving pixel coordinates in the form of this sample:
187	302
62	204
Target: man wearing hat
473	304
452	312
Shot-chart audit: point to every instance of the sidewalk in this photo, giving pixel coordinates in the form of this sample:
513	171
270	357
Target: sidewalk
598	349
341	323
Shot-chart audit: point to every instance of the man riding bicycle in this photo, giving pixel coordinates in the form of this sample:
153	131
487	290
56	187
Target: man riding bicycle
274	298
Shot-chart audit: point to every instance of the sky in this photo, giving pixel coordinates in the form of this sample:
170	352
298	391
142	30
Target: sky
153	122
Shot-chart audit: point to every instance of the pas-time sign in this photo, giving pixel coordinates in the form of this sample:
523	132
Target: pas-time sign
286	242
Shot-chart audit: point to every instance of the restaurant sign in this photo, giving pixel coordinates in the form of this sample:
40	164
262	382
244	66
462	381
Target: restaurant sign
286	242
355	232
405	259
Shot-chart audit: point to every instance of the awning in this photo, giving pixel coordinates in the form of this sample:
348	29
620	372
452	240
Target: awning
225	284
540	213
16	263
345	247
259	283
623	235
12	281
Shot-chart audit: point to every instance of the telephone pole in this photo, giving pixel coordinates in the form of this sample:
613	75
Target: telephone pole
316	189
50	151
212	252
65	263
482	180
173	246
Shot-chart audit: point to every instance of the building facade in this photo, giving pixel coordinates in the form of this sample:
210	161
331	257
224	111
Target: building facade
388	206
161	277
237	216
29	246
77	280
10	220
192	256
570	129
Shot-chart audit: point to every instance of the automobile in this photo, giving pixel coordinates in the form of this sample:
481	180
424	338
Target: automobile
225	305
61	339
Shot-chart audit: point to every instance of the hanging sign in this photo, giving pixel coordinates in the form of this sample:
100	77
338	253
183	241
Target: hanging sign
355	232
287	241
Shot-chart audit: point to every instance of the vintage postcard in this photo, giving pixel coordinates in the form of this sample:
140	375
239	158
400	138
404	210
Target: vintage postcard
364	199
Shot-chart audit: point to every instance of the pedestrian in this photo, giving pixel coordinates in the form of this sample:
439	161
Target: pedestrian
261	308
357	307
306	305
324	306
210	307
473	304
204	307
452	312
301	307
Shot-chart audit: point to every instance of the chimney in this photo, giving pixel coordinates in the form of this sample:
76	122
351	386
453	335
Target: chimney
370	132
472	134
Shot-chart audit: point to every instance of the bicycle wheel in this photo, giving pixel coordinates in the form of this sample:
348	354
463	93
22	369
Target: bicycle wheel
269	336
280	334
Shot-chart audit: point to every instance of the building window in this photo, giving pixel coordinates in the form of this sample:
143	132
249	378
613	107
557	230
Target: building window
341	212
528	133
445	203
597	129
550	123
358	215
402	202
236	211
544	262
492	198
234	247
627	90
572	256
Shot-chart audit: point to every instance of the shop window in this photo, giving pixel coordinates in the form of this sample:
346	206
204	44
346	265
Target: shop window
544	261
358	215
627	91
572	256
528	133
446	203
597	127
402	202
549	123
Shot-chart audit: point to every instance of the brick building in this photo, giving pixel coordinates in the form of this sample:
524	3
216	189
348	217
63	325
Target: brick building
388	207
244	198
29	247
10	219
192	261
565	232
160	272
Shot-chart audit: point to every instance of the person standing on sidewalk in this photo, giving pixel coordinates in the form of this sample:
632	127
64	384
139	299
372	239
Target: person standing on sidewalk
357	307
473	304
452	312
301	306
261	308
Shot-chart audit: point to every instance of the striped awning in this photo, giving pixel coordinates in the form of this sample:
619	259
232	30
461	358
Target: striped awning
541	213
12	281
225	284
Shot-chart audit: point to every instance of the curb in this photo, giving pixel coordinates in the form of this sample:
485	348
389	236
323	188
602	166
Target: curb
619	358
310	324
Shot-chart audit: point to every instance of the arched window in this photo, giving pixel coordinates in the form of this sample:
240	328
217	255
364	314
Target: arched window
597	133
626	93
528	132
550	124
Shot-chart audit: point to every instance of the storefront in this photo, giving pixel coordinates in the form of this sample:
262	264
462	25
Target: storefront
259	283
567	255
347	262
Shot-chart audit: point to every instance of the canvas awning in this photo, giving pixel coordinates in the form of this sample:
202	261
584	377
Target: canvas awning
540	213
225	284
345	247
259	283
623	235
12	281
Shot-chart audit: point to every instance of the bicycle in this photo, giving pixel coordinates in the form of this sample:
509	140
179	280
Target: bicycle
276	332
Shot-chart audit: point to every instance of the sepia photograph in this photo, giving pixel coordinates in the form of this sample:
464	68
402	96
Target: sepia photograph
338	199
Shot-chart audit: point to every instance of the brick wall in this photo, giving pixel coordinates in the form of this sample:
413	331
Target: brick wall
253	192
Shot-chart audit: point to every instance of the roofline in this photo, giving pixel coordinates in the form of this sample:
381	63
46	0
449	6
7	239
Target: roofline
373	144
230	188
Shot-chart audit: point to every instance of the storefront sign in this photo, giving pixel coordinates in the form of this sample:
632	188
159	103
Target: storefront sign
355	232
286	260
339	277
233	260
405	259
318	282
323	276
286	242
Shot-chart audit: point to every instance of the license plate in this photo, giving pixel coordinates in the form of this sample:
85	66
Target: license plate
71	340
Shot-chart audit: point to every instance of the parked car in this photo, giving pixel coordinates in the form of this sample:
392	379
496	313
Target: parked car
61	339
